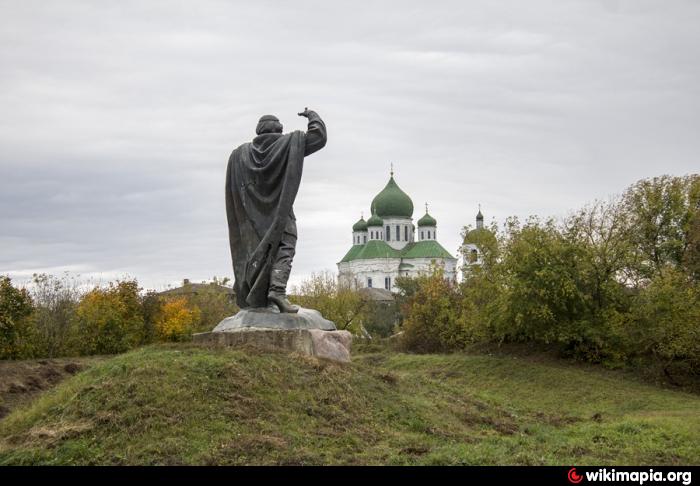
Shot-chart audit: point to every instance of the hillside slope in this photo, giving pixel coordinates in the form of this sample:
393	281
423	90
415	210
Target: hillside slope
21	381
186	405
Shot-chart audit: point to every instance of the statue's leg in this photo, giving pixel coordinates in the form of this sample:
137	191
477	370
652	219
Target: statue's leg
282	267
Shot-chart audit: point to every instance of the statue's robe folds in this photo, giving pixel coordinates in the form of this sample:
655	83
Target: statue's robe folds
262	180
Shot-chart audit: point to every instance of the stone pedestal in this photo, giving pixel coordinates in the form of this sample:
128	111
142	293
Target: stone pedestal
306	332
271	318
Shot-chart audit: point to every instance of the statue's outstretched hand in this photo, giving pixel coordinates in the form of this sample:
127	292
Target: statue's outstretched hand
305	113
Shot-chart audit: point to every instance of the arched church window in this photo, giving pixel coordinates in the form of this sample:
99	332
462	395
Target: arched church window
428	234
405	233
369	282
388	233
422	235
398	233
364	238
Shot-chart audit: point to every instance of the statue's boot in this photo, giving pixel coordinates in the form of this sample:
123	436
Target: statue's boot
280	300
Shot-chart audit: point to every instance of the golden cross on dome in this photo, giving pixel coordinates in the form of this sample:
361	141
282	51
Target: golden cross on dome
392	169
426	208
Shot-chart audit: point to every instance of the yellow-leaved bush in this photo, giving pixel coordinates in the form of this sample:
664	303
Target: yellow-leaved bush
177	319
109	319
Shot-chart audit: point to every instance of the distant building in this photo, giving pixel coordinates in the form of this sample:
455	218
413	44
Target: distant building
189	289
472	248
471	252
388	245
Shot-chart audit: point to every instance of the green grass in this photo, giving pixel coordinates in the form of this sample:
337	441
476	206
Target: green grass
189	405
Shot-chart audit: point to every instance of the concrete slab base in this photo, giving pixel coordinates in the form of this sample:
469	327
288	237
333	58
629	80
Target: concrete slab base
271	318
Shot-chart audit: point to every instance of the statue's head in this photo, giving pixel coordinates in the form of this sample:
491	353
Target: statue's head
268	124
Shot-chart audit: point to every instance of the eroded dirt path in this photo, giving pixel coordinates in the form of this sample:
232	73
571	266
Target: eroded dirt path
22	381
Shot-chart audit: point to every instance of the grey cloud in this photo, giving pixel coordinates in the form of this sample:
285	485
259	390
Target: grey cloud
116	119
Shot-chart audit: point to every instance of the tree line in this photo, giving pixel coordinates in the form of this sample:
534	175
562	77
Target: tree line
58	316
616	282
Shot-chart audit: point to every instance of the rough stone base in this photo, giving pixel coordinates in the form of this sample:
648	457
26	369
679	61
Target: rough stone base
333	345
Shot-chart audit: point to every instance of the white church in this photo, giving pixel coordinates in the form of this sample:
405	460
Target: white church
389	245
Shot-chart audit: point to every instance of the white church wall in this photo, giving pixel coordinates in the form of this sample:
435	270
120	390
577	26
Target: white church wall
357	272
423	266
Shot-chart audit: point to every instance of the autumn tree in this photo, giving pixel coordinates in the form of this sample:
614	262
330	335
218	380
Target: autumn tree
432	323
603	232
56	299
177	319
151	307
15	309
215	302
110	319
545	287
661	211
691	257
666	317
337	302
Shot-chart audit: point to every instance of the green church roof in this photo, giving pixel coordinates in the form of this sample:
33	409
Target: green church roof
376	249
352	253
361	225
425	249
427	220
392	201
380	249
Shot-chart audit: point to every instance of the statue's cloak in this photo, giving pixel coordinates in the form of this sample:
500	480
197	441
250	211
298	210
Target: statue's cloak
262	180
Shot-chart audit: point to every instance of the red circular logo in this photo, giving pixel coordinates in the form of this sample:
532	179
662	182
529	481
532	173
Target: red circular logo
573	477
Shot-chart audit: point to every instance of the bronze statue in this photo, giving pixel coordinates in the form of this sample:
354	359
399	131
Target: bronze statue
262	180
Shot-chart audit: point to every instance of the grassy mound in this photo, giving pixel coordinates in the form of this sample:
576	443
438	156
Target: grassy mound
187	405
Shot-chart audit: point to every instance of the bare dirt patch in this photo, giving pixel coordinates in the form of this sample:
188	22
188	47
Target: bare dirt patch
22	381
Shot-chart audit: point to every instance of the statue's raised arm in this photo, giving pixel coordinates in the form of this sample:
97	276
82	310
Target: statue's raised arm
316	134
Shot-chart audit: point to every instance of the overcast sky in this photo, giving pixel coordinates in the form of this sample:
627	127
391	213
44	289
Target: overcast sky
117	118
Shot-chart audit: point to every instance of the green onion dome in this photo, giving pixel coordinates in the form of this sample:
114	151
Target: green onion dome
375	220
427	220
392	201
361	225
